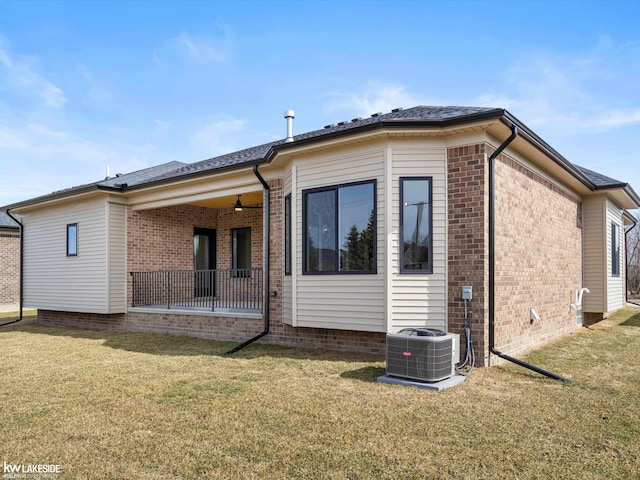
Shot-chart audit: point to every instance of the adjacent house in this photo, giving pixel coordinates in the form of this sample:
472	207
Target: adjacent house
9	263
335	237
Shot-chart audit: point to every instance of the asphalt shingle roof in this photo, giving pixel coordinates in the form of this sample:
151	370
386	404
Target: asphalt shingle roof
599	180
258	153
420	116
6	221
141	176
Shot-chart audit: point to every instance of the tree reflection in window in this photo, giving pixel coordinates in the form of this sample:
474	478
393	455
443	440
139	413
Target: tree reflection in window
340	229
416	218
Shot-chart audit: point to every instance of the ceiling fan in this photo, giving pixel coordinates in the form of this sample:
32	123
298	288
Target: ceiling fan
238	207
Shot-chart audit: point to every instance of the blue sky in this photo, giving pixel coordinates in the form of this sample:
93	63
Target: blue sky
134	84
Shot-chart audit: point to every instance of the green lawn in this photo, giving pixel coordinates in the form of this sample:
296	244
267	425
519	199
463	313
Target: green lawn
133	406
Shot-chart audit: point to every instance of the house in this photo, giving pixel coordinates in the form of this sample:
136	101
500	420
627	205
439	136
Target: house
9	264
335	237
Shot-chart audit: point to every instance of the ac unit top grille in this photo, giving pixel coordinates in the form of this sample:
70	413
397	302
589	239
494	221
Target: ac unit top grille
427	357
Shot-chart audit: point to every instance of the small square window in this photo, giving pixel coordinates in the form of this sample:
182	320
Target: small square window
72	240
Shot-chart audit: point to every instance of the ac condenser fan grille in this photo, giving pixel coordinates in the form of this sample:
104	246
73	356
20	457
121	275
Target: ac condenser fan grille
423	358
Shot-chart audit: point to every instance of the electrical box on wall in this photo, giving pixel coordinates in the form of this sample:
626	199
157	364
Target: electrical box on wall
467	292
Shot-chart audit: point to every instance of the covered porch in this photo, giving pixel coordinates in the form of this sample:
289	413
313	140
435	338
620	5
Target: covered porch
198	254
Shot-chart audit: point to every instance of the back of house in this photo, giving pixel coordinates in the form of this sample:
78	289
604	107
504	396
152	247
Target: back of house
336	237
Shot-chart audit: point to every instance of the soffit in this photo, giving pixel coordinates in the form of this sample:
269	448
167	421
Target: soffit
282	157
211	191
500	131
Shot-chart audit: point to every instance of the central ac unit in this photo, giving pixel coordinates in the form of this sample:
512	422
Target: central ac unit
423	354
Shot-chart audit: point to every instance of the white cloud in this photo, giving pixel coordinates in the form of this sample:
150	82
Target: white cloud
12	139
220	136
51	159
161	125
618	119
22	76
571	93
199	49
374	97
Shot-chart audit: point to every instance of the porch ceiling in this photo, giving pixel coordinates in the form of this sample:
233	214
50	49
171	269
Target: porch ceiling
247	199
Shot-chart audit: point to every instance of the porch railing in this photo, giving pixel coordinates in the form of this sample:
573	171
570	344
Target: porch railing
228	290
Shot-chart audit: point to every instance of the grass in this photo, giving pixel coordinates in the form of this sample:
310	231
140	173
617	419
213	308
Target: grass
114	406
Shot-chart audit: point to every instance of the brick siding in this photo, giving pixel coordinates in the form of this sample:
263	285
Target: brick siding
9	269
221	328
467	242
162	238
538	252
538	257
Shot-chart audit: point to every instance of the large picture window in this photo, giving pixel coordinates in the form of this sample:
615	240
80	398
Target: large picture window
72	240
416	252
615	250
339	229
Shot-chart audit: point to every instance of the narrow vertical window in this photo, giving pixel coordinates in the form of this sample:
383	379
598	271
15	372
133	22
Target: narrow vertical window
72	240
287	235
416	251
241	252
615	250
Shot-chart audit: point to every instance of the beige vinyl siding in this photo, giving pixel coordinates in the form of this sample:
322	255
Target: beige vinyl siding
341	301
117	254
53	281
420	300
615	285
287	282
594	250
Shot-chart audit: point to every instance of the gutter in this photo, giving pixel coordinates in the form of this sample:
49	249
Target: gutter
492	265
267	263
62	194
498	114
544	147
21	269
385	124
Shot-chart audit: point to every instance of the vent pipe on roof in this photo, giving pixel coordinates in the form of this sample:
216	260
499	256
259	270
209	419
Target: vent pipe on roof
289	115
